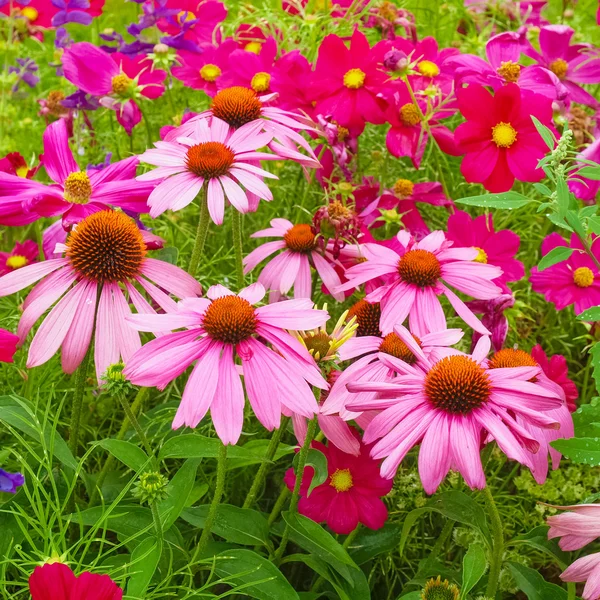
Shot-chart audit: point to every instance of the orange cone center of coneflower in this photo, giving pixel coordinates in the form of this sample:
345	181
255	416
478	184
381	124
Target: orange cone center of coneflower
504	135
559	67
16	261
354	79
457	385
78	188
120	84
236	106
420	267
106	247
318	344
403	188
230	319
341	480
209	159
260	82
509	70
300	238
30	13
210	72
409	115
253	47
482	256
394	346
428	68
583	277
511	357
367	316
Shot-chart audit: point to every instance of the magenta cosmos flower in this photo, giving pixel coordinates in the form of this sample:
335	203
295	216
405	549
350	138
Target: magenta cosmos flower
499	138
574	281
20	256
220	328
583	188
292	267
495	247
351	494
449	406
195	20
214	156
573	64
103	254
416	274
75	193
348	82
8	345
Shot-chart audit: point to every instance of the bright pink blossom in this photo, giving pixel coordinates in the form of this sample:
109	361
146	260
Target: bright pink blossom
8	345
196	20
20	256
40	14
291	79
583	188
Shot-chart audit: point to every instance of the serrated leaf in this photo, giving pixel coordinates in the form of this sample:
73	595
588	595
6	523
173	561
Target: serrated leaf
318	461
474	566
591	314
555	256
534	585
129	454
545	133
508	200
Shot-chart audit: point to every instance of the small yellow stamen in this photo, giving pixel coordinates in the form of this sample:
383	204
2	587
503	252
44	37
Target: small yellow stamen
120	84
261	82
22	171
253	47
510	71
409	115
16	261
403	188
354	79
78	188
427	68
559	67
341	480
504	135
185	15
210	72
482	256
583	277
30	13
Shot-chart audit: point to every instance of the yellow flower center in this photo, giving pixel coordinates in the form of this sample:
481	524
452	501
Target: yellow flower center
409	115
120	84
559	67
510	71
261	82
22	171
482	256
504	135
185	15
428	68
78	188
583	277
354	79
403	188
16	261
30	13
253	47
341	480
210	72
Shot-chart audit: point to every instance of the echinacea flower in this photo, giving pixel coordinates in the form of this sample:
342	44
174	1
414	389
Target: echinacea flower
53	581
417	273
103	254
221	328
10	482
448	406
20	256
8	345
438	589
75	193
573	281
499	138
292	267
214	156
351	494
556	369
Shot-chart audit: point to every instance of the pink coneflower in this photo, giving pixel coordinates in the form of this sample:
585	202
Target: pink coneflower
215	156
104	253
8	345
495	247
75	193
449	405
351	494
556	369
222	327
573	281
20	256
499	138
418	272
292	268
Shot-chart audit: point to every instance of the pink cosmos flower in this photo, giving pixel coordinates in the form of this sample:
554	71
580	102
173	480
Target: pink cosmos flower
290	79
45	14
557	371
216	156
219	329
8	345
196	20
572	281
351	494
495	247
75	193
577	528
583	188
20	256
292	268
15	164
499	138
417	274
573	64
449	406
104	254
347	83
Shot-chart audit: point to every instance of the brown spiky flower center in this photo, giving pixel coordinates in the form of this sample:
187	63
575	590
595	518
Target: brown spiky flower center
300	238
230	319
367	316
236	106
394	346
209	159
511	357
420	267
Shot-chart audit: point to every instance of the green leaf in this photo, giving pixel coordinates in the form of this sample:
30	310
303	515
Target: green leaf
144	561
563	196
574	221
507	200
580	450
411	596
129	454
168	254
587	419
538	538
254	452
555	256
369	543
191	445
591	314
260	578
237	525
318	462
594	224
534	585
546	133
178	491
474	566
592	173
542	189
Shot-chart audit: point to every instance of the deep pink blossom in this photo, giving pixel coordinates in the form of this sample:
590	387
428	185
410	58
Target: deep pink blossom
197	20
556	370
8	345
20	256
583	188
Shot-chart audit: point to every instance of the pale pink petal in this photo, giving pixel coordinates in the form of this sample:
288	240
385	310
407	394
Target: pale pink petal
216	201
254	293
21	278
434	455
171	278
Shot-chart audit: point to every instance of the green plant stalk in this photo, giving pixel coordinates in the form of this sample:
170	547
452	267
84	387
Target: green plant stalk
497	544
281	500
201	233
264	467
136	425
236	231
571	591
80	377
157	526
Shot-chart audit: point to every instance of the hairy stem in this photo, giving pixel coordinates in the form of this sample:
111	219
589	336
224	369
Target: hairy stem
80	377
136	424
498	544
236	230
201	233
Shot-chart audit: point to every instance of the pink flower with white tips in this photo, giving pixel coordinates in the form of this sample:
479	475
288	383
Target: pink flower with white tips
292	266
277	368
417	273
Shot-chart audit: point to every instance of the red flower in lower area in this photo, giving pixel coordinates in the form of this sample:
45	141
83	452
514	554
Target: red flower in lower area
556	369
8	345
56	581
351	494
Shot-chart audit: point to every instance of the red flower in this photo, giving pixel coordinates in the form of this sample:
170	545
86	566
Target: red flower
57	582
8	345
556	370
351	495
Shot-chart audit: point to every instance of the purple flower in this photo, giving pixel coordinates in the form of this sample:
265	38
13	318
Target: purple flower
72	11
102	165
26	71
493	318
80	101
9	482
132	49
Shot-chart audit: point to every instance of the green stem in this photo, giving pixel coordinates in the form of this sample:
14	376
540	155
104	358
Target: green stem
571	591
281	500
157	526
498	544
136	425
264	467
201	233
236	230
444	535
80	377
